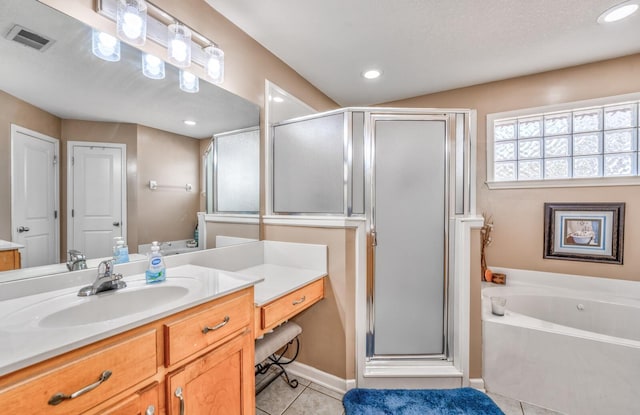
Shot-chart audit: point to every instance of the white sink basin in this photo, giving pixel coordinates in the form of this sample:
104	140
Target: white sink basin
114	304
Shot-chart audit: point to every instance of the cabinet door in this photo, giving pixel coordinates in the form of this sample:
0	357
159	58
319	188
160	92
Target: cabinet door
220	382
144	402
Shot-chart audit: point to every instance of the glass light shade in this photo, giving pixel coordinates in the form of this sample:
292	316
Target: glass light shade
189	82
179	45
152	66
131	21
105	46
215	63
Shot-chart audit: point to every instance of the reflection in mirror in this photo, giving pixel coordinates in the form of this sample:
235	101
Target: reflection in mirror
282	106
233	187
84	106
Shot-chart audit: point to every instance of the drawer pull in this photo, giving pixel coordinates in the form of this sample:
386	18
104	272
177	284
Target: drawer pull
59	397
207	329
178	394
300	301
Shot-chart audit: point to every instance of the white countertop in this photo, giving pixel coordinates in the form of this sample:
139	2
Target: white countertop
24	340
9	246
279	280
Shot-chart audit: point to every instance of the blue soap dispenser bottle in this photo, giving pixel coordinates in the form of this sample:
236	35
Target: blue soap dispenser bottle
156	270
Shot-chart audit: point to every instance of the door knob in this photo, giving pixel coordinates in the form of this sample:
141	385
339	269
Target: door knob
23	229
116	223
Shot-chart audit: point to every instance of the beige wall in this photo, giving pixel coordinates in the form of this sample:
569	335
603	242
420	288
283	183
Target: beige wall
328	328
15	111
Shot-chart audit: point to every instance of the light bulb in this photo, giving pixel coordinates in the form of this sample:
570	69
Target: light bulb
152	66
105	46
215	63
179	48
131	21
189	82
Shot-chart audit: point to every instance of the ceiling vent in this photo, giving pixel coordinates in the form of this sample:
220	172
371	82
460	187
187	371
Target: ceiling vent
29	38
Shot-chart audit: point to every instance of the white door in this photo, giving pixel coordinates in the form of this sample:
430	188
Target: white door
97	197
34	196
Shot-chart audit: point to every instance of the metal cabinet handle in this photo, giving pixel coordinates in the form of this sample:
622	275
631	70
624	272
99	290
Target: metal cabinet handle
178	394
59	397
207	329
23	229
151	410
296	302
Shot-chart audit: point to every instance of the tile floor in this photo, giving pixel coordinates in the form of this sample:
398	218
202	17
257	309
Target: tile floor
309	398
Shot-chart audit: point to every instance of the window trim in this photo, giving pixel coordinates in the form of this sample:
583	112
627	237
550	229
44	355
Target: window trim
571	182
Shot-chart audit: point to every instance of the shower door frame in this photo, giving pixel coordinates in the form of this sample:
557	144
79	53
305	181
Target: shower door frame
428	371
370	209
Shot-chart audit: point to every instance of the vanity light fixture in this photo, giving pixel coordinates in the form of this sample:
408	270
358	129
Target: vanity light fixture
131	21
619	12
184	45
215	63
372	74
189	82
179	45
152	66
105	46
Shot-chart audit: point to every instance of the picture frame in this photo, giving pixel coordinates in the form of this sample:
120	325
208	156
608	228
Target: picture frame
591	232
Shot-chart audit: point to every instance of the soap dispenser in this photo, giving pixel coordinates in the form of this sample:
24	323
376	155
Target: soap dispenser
156	271
120	251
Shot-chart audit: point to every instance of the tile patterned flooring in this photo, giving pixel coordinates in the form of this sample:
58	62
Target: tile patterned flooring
312	399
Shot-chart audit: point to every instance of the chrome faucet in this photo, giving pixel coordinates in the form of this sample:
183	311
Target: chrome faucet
106	280
77	260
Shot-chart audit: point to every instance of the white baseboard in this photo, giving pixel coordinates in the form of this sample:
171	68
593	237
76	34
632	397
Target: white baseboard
477	383
321	378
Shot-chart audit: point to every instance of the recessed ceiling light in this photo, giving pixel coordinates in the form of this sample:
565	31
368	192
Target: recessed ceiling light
372	74
619	12
189	122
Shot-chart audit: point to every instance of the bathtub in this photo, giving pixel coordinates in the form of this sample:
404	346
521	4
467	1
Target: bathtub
566	343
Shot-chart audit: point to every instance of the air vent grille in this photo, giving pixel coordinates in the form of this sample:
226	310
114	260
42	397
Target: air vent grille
29	38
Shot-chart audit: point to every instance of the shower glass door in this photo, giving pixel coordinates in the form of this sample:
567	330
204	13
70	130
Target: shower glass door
408	206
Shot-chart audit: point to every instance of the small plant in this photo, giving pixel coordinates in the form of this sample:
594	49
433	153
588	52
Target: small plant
485	232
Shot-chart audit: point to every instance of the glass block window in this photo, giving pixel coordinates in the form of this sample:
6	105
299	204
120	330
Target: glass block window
594	142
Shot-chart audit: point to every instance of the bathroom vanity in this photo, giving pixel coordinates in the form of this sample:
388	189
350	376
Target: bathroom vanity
188	346
9	255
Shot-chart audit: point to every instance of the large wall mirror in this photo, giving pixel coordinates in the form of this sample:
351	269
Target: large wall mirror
63	108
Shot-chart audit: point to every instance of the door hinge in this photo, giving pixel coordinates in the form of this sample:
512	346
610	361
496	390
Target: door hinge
73	160
55	160
73	213
55	214
374	238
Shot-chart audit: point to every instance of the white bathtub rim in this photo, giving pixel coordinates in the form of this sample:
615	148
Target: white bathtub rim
514	319
589	284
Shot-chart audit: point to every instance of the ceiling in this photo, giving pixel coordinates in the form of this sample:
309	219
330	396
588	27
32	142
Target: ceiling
426	46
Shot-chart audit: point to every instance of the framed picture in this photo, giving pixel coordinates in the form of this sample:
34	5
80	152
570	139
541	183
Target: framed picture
592	232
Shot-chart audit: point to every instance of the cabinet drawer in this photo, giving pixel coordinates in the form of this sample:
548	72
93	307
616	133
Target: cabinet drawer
291	304
193	333
130	362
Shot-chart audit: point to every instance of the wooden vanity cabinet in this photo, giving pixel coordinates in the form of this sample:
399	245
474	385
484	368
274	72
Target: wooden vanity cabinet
9	260
144	402
146	364
278	311
211	359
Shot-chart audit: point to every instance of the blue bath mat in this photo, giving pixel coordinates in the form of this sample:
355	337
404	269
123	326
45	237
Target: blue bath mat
462	401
